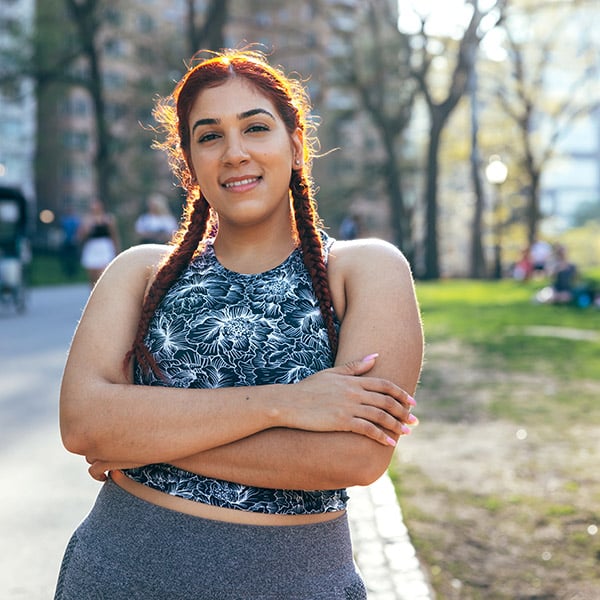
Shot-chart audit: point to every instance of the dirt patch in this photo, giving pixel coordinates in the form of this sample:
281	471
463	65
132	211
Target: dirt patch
499	508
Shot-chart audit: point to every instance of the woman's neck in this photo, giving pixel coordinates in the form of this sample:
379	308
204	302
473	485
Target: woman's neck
254	253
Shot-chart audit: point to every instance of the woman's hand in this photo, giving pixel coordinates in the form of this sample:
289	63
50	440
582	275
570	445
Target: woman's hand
343	399
99	469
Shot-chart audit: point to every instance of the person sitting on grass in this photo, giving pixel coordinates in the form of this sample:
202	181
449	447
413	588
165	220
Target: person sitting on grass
564	278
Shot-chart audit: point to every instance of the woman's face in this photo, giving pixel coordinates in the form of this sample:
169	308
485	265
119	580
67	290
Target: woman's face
241	154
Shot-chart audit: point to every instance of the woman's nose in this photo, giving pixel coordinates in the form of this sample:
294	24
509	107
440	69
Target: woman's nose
235	151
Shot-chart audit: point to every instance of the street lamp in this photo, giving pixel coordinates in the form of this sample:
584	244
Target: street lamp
496	173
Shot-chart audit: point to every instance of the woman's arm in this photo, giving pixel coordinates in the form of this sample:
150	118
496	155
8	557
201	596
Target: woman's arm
105	417
114	232
375	298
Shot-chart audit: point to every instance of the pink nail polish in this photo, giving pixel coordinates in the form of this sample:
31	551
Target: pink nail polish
411	400
391	441
405	429
370	357
412	420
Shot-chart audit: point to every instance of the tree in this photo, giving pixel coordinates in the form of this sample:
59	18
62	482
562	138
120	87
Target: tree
441	103
210	35
87	18
377	71
542	111
477	267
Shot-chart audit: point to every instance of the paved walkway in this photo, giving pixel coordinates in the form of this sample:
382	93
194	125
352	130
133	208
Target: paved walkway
383	550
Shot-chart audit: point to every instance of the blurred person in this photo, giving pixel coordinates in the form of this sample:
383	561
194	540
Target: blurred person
99	240
540	252
157	225
247	374
523	268
564	279
350	227
69	248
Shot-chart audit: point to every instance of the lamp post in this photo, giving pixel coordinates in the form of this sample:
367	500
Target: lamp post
496	173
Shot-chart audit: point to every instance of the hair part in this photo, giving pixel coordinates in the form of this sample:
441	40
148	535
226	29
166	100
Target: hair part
199	222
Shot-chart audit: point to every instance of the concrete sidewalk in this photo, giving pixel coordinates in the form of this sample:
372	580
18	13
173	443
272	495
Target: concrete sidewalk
383	550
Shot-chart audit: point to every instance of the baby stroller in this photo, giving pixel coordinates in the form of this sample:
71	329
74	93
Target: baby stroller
15	251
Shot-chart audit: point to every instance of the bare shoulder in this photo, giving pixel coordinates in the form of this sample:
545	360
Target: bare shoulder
370	273
142	260
130	273
112	312
368	258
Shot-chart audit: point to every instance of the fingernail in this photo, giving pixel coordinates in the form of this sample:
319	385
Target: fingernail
411	400
405	429
391	441
413	420
370	357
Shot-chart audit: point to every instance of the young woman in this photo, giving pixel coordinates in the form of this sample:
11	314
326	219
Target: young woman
99	240
228	388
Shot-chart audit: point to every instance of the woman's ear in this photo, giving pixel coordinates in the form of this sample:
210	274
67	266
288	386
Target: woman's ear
297	150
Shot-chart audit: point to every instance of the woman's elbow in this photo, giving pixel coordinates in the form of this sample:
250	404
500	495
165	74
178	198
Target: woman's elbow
74	436
363	468
76	430
370	472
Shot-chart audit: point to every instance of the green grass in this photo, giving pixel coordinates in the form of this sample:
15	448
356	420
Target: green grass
46	269
489	364
500	321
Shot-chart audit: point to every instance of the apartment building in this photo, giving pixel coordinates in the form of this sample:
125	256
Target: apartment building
17	102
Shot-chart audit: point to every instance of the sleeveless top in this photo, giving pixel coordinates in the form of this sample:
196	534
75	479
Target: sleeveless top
218	328
99	230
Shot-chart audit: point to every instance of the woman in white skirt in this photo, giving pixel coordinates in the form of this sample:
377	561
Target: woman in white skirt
99	236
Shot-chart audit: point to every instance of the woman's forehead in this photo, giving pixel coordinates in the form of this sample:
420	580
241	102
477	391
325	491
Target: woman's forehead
233	97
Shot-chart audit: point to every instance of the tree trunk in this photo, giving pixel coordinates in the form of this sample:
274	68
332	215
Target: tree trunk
476	257
211	36
393	181
533	206
102	159
432	266
87	23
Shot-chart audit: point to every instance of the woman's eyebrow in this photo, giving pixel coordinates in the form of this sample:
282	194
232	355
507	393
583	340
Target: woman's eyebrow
241	116
254	111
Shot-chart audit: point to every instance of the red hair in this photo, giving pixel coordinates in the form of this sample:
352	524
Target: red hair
172	114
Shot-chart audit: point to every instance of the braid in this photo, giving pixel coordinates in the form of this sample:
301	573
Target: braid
307	222
193	231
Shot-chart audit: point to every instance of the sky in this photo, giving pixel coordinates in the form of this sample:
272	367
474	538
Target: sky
446	17
442	15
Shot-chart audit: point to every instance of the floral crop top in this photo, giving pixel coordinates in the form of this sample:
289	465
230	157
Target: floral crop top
217	328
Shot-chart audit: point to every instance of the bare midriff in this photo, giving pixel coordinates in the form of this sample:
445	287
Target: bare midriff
216	513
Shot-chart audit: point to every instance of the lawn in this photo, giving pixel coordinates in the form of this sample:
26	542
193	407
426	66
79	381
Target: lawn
499	484
46	269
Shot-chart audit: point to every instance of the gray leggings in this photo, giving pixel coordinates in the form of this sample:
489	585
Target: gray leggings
128	549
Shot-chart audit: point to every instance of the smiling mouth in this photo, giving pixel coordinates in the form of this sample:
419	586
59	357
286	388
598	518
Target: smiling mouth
240	183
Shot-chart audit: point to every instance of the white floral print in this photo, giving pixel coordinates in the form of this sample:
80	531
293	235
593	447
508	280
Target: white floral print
217	328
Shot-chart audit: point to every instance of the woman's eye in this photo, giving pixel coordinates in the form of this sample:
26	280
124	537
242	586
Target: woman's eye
207	137
257	128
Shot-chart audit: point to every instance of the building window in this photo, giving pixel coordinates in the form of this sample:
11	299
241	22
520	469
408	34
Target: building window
75	172
114	47
75	107
76	141
114	80
115	110
145	23
113	17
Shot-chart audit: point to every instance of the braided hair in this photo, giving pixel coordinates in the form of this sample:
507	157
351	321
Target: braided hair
199	222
